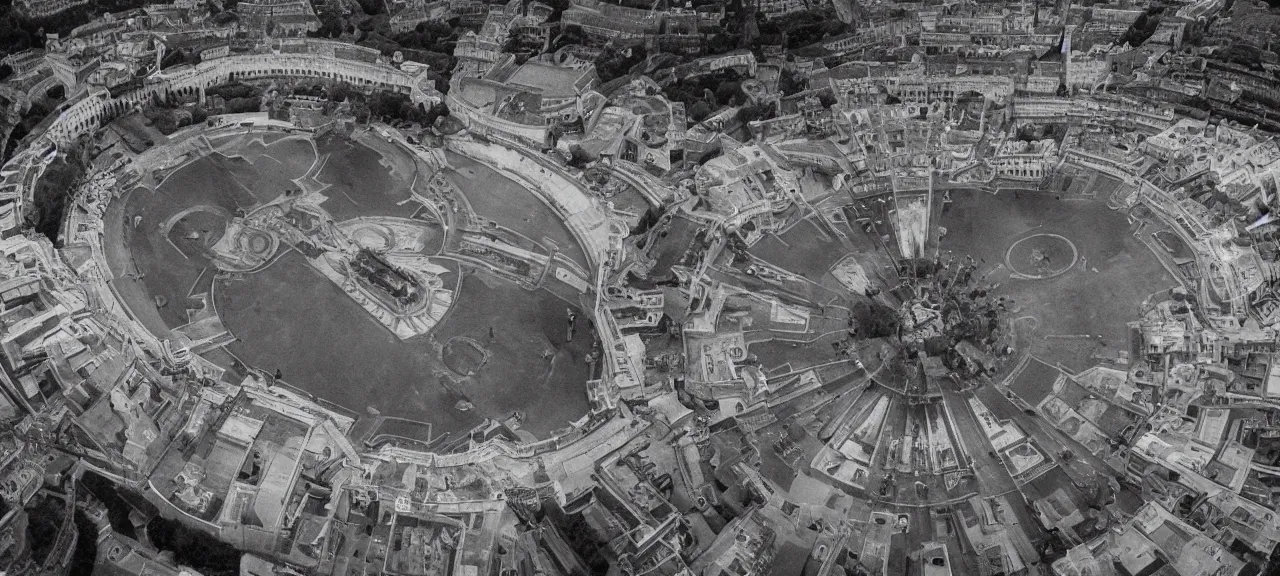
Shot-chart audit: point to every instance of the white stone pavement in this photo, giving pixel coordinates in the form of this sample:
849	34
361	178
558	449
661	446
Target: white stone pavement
588	222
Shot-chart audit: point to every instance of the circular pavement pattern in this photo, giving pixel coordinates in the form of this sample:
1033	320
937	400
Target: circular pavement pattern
1041	256
373	237
463	356
256	243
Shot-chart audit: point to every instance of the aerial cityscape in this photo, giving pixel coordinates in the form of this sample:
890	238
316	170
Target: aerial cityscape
640	287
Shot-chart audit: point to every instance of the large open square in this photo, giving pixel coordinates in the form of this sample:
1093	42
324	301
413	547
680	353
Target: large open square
501	347
1078	274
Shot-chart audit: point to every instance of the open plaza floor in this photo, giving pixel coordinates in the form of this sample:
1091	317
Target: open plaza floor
508	342
1079	311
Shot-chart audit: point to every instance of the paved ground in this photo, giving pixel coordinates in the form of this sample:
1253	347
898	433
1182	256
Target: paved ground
991	474
805	249
289	317
361	182
166	270
1095	298
330	347
496	197
675	241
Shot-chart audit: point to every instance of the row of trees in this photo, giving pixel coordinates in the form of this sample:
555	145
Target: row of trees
392	107
17	33
801	28
430	43
232	90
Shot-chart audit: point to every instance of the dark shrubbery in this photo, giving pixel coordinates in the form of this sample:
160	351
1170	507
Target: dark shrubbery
614	63
757	112
53	191
801	28
434	36
234	90
240	105
372	7
720	89
86	553
790	83
391	107
195	549
1142	28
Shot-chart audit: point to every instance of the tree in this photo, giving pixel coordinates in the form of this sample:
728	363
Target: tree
14	37
790	83
752	113
875	319
689	91
614	63
52	195
570	34
192	548
86	551
234	90
726	92
339	92
437	111
723	42
239	105
557	9
330	25
700	111
1142	28
371	7
224	18
1242	54
578	158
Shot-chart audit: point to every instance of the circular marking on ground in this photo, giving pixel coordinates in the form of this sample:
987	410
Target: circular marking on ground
1033	321
1041	256
463	355
255	243
202	225
375	238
